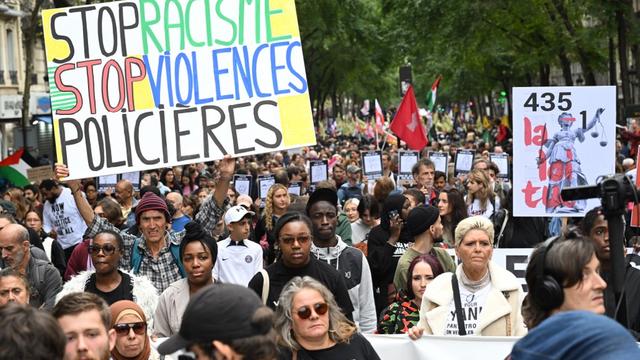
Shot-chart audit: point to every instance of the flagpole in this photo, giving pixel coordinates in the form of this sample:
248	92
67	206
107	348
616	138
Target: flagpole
377	142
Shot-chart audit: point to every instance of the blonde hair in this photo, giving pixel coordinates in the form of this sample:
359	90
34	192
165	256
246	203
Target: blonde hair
473	223
268	207
340	328
485	193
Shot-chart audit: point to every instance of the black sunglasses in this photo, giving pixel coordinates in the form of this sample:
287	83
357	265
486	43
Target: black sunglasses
124	328
319	308
107	249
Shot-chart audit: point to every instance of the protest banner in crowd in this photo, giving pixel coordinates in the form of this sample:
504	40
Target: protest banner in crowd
562	137
145	84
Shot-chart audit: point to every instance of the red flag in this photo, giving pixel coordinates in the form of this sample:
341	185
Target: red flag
407	123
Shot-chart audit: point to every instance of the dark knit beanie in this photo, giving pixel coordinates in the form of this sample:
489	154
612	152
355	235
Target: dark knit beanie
151	201
421	218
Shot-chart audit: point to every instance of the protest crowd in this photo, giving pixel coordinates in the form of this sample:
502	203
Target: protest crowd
223	266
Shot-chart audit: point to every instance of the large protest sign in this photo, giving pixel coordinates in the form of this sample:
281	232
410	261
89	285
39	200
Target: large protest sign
146	83
562	137
429	347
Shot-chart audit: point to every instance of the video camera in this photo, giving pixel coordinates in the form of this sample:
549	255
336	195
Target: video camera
615	191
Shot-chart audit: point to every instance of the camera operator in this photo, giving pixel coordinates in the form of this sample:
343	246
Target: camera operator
626	311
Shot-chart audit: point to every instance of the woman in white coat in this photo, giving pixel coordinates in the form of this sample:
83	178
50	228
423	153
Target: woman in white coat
485	298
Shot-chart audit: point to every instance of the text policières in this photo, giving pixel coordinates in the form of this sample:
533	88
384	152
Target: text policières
197	98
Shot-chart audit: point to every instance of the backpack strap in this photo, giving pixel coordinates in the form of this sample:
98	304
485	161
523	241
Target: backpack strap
265	285
136	257
175	252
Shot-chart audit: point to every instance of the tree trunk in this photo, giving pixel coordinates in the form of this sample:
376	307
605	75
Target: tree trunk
622	55
565	64
545	72
587	69
612	62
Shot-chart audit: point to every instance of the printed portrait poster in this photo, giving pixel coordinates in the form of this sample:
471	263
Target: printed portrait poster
265	182
562	137
242	184
441	161
406	160
372	164
147	84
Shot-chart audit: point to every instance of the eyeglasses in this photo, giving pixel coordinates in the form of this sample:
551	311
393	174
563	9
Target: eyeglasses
319	308
302	239
107	249
123	329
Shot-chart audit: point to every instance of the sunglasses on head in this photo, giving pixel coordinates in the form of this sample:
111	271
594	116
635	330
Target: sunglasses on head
124	328
319	308
107	249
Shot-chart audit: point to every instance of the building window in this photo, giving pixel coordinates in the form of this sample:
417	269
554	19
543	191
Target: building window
11	57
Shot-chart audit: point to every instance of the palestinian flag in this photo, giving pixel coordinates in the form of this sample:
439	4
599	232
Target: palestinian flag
14	168
431	96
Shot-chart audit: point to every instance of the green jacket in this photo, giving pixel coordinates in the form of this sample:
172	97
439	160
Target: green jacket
344	229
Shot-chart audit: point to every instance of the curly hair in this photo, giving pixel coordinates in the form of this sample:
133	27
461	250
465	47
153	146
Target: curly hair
268	208
485	193
340	328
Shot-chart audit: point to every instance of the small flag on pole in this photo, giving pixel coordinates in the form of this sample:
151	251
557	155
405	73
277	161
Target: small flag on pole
431	96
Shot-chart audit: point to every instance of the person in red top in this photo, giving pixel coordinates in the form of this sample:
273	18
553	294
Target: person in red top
633	137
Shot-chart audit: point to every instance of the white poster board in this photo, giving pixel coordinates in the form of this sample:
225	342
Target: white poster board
133	177
441	161
318	170
464	162
502	160
295	188
139	85
107	181
406	160
264	184
242	184
560	141
372	164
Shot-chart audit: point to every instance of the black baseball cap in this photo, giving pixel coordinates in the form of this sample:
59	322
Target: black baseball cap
218	312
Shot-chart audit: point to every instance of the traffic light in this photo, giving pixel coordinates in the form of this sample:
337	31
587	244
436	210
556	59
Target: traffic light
503	97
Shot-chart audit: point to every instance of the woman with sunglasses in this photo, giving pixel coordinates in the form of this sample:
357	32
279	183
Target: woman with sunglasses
310	325
80	260
132	340
109	282
294	236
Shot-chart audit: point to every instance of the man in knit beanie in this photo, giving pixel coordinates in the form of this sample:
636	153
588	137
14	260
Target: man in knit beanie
425	226
156	252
